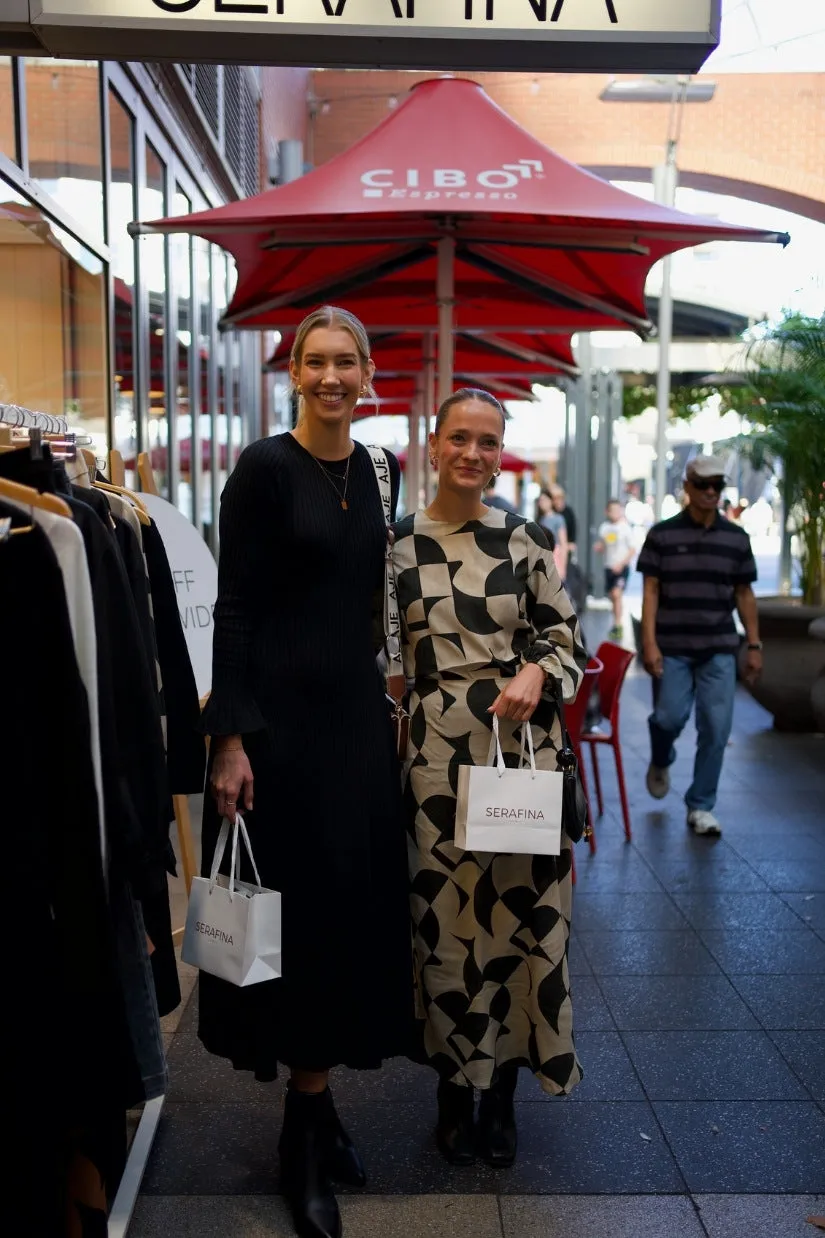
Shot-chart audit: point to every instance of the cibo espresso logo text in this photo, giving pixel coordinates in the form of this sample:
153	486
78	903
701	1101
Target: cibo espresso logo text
439	184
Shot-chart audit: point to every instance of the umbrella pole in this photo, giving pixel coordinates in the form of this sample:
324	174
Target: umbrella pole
429	406
414	453
445	296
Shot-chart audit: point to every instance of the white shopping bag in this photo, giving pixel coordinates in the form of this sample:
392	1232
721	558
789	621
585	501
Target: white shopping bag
233	929
509	811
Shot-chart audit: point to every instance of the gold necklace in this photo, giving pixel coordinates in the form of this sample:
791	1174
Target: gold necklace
334	478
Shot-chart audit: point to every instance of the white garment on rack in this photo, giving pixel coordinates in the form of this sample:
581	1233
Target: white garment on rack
67	543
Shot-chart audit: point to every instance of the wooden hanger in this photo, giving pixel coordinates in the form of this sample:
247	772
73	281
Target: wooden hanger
29	497
147	478
140	509
117	470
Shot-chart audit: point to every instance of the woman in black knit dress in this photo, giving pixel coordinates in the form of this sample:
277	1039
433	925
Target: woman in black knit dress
302	746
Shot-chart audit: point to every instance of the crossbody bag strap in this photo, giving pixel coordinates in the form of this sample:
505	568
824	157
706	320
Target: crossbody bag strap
558	699
396	681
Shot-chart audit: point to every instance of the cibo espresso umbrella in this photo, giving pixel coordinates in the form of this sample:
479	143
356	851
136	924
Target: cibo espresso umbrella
449	215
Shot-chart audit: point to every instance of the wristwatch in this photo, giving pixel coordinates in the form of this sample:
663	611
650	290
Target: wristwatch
755	647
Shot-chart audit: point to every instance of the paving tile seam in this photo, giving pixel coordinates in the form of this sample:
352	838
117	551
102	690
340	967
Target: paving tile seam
639	1080
786	1059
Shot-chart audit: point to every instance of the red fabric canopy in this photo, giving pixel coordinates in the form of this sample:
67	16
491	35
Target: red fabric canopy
535	241
477	356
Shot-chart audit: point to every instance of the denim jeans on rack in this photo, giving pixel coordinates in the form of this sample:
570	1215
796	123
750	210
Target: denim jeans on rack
711	683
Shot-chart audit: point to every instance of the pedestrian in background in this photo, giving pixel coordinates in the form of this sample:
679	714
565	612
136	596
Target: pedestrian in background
555	527
698	567
616	544
491	499
562	507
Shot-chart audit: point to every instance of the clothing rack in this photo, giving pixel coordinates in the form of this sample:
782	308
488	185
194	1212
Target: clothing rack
40	427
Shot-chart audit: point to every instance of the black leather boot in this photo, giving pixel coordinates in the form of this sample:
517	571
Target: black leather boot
304	1180
341	1157
455	1132
497	1138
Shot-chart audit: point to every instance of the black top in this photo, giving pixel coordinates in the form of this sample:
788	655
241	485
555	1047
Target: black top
298	582
294	672
698	569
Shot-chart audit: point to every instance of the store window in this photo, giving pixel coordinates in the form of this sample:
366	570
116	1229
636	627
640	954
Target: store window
52	299
8	137
180	260
63	128
153	275
121	213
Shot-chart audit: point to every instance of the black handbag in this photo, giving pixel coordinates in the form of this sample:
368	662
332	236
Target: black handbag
574	815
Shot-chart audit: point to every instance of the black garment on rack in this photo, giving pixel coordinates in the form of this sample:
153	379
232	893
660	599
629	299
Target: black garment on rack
131	739
185	747
70	1056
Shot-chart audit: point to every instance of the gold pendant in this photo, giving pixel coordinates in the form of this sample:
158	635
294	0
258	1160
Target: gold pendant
345	505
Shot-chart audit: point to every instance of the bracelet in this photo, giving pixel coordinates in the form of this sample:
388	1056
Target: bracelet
234	748
755	647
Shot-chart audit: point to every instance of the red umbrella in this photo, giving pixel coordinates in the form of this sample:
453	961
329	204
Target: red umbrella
509	462
449	194
482	356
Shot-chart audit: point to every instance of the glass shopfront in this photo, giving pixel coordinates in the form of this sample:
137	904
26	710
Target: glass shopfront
119	335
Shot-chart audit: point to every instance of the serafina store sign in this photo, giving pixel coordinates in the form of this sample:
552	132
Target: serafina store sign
574	35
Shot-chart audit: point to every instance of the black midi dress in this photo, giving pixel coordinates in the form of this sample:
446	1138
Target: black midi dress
294	672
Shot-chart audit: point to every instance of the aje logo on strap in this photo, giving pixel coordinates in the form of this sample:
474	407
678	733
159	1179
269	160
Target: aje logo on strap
440	184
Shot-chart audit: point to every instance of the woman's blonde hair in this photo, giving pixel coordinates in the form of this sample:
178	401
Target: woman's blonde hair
332	316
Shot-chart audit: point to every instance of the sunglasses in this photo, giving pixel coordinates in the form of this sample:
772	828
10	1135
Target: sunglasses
708	483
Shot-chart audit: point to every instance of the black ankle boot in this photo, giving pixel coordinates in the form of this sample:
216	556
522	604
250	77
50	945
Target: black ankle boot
455	1132
497	1138
342	1160
304	1180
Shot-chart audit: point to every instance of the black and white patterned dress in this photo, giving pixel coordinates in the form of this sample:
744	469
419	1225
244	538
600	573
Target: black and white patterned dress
491	931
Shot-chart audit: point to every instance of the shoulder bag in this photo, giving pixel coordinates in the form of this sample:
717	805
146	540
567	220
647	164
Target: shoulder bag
574	815
396	683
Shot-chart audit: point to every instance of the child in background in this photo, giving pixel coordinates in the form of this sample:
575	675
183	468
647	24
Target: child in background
616	544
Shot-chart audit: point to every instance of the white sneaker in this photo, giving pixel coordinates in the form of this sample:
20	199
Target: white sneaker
702	822
658	781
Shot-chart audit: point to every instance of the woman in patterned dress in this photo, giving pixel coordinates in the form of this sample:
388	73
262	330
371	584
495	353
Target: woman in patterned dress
485	622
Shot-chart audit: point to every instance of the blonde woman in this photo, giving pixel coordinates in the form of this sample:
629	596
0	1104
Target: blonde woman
302	746
486	625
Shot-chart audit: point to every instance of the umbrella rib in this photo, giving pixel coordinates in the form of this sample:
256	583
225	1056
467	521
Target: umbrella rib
547	288
346	282
510	349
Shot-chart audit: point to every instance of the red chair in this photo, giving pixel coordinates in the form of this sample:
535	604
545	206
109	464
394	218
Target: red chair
615	662
574	715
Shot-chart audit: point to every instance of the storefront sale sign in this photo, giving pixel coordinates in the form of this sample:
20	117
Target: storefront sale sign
195	574
570	34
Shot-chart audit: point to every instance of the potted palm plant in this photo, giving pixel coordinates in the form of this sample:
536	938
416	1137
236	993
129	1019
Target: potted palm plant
783	398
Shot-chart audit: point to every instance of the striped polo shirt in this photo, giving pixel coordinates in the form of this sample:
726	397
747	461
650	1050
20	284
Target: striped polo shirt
698	570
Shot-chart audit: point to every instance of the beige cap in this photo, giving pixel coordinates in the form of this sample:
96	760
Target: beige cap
705	466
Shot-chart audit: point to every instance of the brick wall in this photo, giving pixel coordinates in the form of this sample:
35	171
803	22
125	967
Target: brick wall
762	137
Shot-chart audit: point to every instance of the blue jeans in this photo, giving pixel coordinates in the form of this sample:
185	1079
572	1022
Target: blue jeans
711	683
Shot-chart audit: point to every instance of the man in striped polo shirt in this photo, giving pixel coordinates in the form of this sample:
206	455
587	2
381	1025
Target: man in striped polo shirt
698	567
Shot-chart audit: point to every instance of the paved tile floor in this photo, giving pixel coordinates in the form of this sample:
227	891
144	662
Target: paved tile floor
699	993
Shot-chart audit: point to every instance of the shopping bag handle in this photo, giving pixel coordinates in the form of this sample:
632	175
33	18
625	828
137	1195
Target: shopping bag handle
527	734
238	826
495	757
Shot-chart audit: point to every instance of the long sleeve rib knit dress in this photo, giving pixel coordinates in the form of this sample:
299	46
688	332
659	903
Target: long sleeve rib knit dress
295	673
